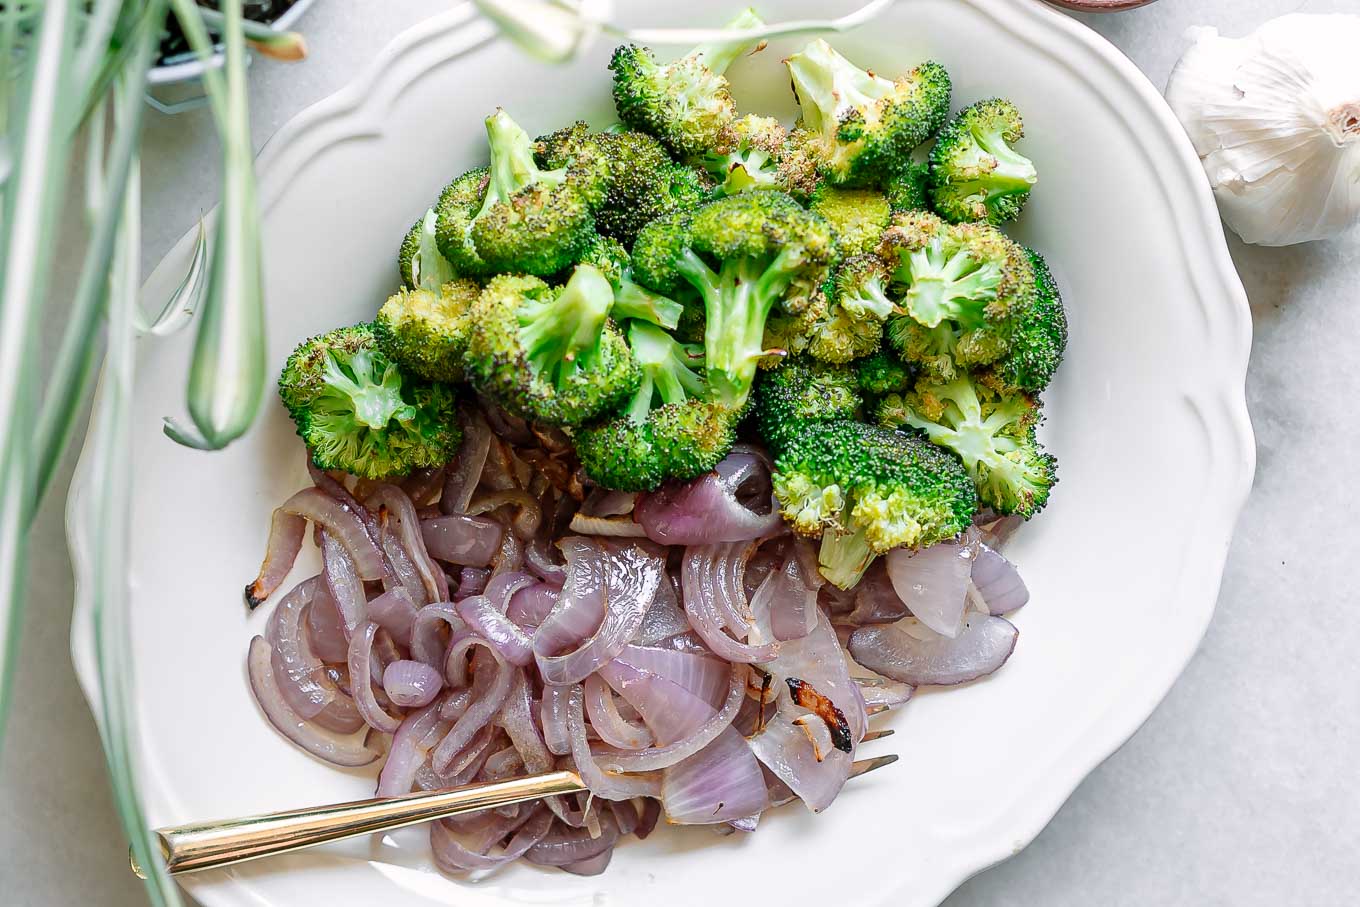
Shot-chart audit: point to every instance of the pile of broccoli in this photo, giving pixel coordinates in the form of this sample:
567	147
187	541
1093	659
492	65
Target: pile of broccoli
838	288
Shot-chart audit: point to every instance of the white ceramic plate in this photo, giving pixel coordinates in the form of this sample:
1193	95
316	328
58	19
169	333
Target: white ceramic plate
1148	418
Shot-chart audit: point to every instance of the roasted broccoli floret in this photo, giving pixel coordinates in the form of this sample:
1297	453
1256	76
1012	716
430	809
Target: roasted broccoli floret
801	391
867	490
861	127
859	217
426	331
858	307
743	256
514	216
549	353
668	430
358	412
419	260
908	188
756	152
993	433
631	299
883	373
963	288
628	175
686	104
975	174
1038	340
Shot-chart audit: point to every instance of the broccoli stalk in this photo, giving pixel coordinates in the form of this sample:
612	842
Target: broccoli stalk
358	412
668	430
975	173
421	264
512	162
742	256
562	334
861	127
993	434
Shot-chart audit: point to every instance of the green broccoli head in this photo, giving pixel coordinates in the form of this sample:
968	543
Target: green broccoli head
993	434
1038	340
859	216
963	287
883	373
852	326
861	127
975	174
426	331
668	430
686	104
742	255
631	299
801	391
866	490
547	353
908	187
755	152
628	176
515	216
359	413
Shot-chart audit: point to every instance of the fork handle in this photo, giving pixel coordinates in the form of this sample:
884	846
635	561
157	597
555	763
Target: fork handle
209	845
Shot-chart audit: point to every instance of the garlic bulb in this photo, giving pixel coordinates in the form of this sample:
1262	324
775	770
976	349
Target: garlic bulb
1275	118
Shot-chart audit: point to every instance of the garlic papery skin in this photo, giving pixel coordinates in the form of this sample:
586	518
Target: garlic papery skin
1275	118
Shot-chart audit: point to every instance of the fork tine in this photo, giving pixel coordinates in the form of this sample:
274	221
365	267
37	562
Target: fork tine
876	710
877	735
865	766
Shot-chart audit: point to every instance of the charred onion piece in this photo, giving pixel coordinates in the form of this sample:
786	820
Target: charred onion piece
806	696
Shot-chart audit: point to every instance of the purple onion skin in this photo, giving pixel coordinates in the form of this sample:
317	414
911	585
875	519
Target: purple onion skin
998	582
411	684
468	541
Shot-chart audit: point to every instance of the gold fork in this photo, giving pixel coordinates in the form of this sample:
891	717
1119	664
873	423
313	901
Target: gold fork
211	845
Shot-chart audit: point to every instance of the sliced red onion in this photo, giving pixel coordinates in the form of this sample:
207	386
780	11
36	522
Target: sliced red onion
423	486
361	670
539	559
553	715
664	618
481	614
998	582
619	586
466	469
300	674
625	814
341	522
509	558
933	583
426	643
666	756
607	502
454	857
286	531
709	509
608	723
411	684
325	630
516	718
789	599
469	541
608	785
912	653
530	606
882	692
591	867
472	581
395	612
491	686
408	530
997	530
529	514
343	582
700	579
326	745
564	846
875	599
700	673
720	783
418	734
671	712
623	527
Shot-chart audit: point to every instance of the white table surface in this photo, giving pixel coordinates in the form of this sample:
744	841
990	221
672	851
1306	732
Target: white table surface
1240	790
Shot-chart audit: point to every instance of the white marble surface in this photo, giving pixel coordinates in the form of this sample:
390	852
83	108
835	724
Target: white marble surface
1239	791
